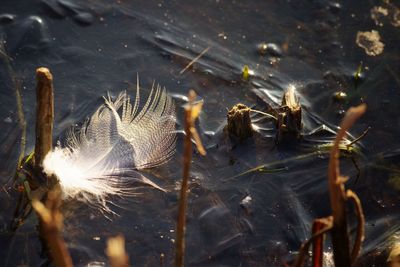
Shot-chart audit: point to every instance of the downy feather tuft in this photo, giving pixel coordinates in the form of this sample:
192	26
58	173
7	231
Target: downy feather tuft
103	157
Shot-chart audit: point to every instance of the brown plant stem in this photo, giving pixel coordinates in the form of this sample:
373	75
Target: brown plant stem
181	224
191	113
318	244
340	237
44	115
360	226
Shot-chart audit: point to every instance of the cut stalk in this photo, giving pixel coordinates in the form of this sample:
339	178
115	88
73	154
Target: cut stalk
44	115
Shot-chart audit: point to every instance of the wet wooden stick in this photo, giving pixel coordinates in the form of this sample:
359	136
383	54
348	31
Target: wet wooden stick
44	114
339	233
192	111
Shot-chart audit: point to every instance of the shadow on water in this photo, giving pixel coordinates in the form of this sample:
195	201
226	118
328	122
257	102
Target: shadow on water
236	217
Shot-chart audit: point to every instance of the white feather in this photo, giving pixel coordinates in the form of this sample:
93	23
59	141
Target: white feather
102	158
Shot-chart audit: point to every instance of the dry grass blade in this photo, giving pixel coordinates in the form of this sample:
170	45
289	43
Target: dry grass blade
340	239
194	60
116	252
51	227
192	111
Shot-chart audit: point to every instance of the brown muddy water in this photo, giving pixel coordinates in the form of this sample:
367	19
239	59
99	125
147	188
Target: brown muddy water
234	218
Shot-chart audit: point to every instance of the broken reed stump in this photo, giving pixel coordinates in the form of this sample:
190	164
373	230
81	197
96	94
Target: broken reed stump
44	115
289	123
239	122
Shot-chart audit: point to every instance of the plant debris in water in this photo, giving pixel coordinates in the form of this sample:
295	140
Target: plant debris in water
371	42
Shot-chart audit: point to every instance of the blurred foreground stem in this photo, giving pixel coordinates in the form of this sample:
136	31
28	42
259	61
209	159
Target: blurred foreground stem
192	111
51	221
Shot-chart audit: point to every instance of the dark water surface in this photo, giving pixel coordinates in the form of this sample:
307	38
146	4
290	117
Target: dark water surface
93	47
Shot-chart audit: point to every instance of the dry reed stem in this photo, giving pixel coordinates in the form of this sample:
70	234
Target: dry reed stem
360	226
51	227
192	111
340	238
44	115
318	244
116	251
328	222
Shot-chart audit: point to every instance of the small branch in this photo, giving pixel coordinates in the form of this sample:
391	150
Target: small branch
44	115
360	226
116	251
194	60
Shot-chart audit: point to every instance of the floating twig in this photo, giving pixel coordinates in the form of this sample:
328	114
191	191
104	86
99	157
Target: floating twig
194	60
358	138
